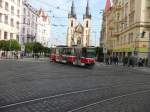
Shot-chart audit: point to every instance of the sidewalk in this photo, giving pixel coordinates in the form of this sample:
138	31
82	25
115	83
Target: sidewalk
144	69
28	59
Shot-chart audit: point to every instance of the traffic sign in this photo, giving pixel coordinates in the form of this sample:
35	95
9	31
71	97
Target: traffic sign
23	48
105	50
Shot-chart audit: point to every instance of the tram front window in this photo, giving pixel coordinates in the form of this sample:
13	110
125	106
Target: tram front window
89	53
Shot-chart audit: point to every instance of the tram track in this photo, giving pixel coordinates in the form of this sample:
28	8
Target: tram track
91	91
109	99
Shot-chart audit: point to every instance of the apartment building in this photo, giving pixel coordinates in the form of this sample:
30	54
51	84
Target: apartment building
126	27
43	28
28	30
10	19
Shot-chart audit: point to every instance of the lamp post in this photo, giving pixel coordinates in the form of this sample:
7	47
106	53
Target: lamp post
149	52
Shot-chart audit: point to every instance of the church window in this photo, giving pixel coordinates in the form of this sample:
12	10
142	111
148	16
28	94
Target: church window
72	23
87	24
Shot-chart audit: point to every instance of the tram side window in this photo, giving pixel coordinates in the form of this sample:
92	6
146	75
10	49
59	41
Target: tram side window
84	52
68	51
57	51
53	51
72	52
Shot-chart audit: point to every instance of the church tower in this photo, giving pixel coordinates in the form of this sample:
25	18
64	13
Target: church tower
71	25
87	26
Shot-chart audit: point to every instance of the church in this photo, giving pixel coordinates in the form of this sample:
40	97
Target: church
79	34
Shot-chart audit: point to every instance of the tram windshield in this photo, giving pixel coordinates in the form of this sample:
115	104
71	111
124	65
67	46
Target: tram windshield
89	52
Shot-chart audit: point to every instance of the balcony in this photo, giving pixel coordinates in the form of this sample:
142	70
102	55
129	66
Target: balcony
115	34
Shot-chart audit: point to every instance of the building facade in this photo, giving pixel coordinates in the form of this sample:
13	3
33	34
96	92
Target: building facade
28	30
10	11
126	27
43	28
79	34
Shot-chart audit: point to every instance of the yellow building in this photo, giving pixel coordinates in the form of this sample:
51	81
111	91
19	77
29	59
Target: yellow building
126	27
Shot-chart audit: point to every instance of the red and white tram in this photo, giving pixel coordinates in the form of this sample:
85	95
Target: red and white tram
74	55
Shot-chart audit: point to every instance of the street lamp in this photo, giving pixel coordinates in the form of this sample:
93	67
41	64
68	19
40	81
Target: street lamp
149	52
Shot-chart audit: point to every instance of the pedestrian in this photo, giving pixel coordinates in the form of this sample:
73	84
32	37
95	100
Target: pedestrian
140	64
114	60
111	60
143	61
130	61
107	60
146	62
126	60
117	60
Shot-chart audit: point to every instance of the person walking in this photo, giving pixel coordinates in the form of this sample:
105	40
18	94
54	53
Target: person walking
117	60
130	61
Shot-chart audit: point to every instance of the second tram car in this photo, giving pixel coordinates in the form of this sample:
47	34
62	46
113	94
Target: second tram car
74	55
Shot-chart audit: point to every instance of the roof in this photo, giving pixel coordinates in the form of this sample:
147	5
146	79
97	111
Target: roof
108	6
42	14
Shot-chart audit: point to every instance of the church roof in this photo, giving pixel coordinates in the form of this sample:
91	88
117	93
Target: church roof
79	28
87	13
72	13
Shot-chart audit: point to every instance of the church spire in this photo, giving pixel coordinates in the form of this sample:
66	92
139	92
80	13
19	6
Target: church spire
72	14
87	13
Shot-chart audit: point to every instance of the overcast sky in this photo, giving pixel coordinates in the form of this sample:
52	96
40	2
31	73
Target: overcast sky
58	12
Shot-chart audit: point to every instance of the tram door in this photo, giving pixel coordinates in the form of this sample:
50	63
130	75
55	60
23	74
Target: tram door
78	52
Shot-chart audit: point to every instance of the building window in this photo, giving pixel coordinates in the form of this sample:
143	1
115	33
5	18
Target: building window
18	13
132	5
87	24
17	24
29	13
28	21
12	9
24	20
1	3
6	19
6	6
12	22
5	35
0	17
23	30
131	18
18	2
24	11
11	35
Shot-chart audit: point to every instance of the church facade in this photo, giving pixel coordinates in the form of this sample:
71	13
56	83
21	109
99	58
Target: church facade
79	34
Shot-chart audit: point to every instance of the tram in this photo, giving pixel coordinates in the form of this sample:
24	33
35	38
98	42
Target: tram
85	56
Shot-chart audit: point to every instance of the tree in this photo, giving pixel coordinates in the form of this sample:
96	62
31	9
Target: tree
14	45
29	47
37	47
10	45
4	45
34	47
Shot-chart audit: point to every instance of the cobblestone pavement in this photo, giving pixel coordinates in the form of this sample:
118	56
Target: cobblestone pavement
41	86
